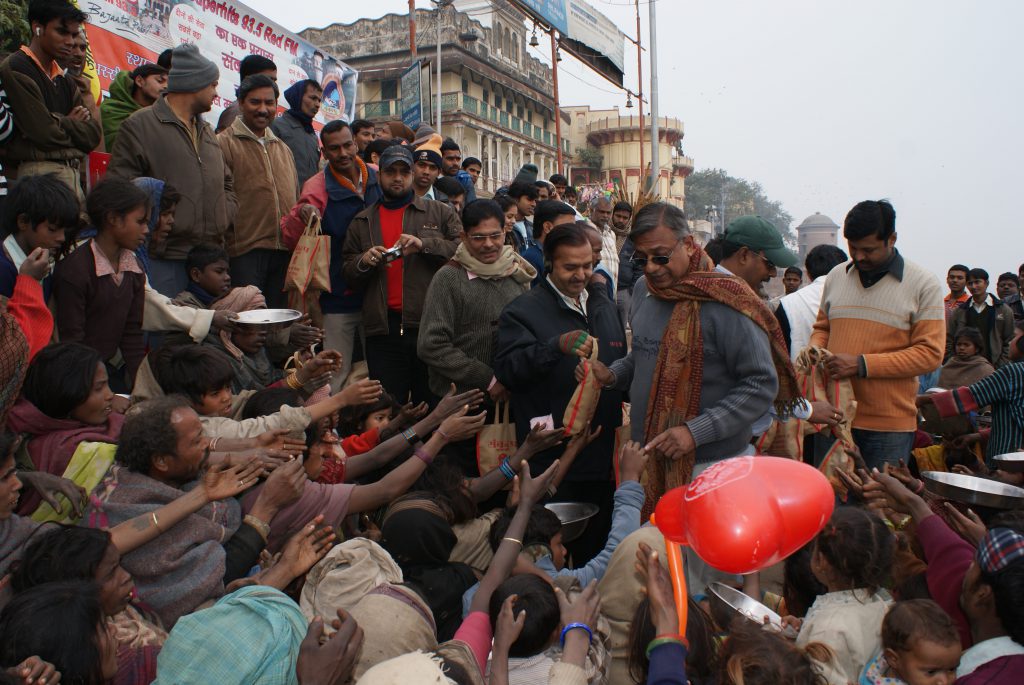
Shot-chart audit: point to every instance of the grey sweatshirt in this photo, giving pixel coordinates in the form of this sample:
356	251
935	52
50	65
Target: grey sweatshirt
739	377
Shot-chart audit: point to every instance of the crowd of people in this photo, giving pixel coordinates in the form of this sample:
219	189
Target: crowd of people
360	495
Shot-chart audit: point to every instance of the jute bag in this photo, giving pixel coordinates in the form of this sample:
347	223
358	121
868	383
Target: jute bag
583	404
497	440
786	439
309	271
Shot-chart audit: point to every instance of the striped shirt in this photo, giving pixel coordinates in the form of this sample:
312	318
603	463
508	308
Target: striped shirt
6	128
1004	391
897	326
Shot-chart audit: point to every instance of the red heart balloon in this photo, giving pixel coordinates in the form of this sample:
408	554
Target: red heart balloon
744	514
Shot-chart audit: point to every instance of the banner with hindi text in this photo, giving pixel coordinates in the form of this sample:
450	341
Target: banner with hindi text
124	34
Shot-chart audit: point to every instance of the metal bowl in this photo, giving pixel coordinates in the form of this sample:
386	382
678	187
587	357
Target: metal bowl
982	492
271	319
1012	462
574	517
728	604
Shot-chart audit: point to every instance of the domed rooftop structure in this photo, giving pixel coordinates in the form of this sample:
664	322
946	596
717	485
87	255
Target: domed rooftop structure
817	229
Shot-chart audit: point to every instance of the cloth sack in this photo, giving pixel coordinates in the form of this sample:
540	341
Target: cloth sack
343	577
497	440
583	404
786	439
309	271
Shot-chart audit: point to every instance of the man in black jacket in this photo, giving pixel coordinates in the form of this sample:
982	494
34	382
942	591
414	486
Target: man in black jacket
541	336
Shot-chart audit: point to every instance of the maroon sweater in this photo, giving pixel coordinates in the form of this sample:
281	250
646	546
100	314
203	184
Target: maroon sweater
97	312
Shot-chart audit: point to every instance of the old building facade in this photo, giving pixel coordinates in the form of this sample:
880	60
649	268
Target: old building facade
497	99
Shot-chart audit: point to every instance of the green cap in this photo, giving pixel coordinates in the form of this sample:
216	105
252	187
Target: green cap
761	236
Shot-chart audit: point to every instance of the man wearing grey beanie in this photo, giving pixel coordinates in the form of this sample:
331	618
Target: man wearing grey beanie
170	141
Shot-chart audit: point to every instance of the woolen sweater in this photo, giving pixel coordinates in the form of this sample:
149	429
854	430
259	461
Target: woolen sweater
459	325
97	312
739	381
897	325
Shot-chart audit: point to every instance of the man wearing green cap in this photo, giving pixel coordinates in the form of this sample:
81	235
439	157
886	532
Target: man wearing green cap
752	249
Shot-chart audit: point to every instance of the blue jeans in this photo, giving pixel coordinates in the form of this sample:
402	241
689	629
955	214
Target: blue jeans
879	448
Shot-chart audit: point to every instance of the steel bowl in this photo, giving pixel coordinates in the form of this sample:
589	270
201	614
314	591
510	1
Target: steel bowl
270	319
983	492
574	517
1012	462
728	604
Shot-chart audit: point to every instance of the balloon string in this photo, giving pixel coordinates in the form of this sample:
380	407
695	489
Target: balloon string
675	570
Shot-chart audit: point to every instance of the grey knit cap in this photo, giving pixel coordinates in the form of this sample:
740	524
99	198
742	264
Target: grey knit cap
190	71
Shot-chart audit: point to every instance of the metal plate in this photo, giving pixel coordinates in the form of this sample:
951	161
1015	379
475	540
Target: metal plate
728	603
269	318
574	517
1012	462
983	492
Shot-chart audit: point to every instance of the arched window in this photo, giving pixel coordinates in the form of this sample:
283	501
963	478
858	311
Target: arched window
508	43
497	37
515	47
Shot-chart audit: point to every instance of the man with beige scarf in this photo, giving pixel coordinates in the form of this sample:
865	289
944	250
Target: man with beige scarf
460	314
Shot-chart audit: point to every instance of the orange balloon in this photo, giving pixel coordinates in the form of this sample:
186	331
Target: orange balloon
744	514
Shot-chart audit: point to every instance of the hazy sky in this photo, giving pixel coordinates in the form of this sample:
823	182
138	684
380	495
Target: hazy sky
827	103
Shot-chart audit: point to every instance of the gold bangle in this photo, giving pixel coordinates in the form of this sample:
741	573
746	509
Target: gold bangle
292	381
262	528
518	542
156	521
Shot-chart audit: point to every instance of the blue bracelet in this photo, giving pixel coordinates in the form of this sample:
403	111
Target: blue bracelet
573	626
506	469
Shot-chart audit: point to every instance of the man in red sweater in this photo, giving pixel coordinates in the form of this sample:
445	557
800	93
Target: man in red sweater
391	252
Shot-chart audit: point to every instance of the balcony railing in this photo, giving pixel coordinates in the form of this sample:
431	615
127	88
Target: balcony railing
456	102
379	109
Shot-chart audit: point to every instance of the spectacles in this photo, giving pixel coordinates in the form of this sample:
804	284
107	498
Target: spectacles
767	262
479	239
658	259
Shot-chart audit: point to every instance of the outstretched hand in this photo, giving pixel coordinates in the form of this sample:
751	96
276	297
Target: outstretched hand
532	490
227	480
659	590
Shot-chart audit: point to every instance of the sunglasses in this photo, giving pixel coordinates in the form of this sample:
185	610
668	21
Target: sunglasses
658	259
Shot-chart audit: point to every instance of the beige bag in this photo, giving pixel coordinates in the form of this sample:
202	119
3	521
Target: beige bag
786	439
583	404
497	440
309	271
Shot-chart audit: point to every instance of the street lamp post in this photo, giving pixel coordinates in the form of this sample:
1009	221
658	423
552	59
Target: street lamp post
441	4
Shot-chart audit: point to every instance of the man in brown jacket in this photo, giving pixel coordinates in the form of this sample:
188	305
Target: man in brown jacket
171	142
392	251
54	127
263	166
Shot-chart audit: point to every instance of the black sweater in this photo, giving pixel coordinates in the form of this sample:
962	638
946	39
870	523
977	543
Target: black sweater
528	362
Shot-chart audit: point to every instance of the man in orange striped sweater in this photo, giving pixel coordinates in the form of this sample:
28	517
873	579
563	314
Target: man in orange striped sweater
883	319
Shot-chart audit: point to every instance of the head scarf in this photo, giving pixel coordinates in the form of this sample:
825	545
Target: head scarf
250	637
414	668
14	353
420	539
1000	548
395	620
348	572
509	264
678	375
153	187
293	96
